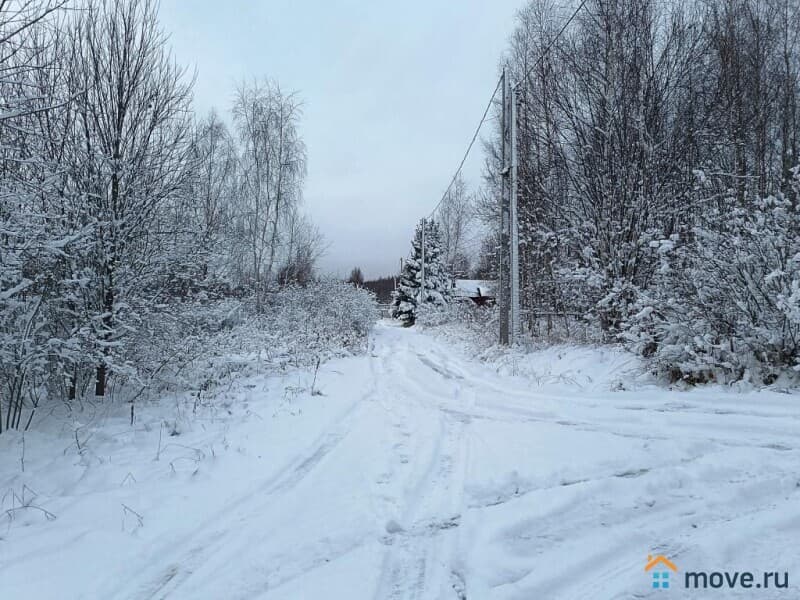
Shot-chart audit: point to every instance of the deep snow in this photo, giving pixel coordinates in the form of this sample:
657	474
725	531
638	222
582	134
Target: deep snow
417	473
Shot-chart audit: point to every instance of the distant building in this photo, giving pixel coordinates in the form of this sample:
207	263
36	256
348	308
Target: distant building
479	291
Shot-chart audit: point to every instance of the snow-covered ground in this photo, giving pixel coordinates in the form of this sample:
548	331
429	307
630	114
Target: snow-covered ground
416	472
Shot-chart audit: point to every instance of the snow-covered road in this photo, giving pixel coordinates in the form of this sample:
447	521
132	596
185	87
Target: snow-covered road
417	474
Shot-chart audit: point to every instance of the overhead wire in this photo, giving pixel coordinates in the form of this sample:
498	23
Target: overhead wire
469	148
551	44
491	100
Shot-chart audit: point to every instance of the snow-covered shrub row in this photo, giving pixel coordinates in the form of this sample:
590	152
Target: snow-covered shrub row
200	344
319	321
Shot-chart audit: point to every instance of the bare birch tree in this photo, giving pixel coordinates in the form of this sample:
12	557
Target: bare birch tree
273	166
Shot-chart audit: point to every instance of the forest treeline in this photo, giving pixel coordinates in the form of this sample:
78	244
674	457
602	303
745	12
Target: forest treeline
118	203
658	181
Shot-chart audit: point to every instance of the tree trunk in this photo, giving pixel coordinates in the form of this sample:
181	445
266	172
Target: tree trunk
100	381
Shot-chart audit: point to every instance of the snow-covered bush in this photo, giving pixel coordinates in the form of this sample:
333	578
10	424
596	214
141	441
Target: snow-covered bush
196	345
726	305
326	318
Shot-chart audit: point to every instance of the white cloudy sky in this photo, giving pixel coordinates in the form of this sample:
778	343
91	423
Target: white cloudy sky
392	93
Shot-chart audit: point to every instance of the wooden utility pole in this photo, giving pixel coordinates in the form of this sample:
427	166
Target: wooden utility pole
504	271
509	226
514	222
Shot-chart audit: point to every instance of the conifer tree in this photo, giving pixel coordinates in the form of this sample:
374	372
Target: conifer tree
436	290
411	292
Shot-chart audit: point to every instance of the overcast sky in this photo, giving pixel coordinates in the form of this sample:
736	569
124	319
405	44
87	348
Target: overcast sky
392	92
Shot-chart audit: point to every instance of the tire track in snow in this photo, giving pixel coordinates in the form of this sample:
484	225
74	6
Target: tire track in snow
217	528
418	561
489	409
277	486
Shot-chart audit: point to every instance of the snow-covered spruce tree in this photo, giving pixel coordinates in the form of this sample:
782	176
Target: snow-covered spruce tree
404	298
415	291
436	288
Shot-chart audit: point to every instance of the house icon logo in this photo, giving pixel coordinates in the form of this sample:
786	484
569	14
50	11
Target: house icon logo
660	566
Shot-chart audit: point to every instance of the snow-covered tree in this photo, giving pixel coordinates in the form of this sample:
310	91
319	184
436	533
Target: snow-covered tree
213	191
424	279
436	286
38	240
132	151
404	298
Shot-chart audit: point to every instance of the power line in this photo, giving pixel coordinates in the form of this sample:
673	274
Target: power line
551	44
469	148
494	93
